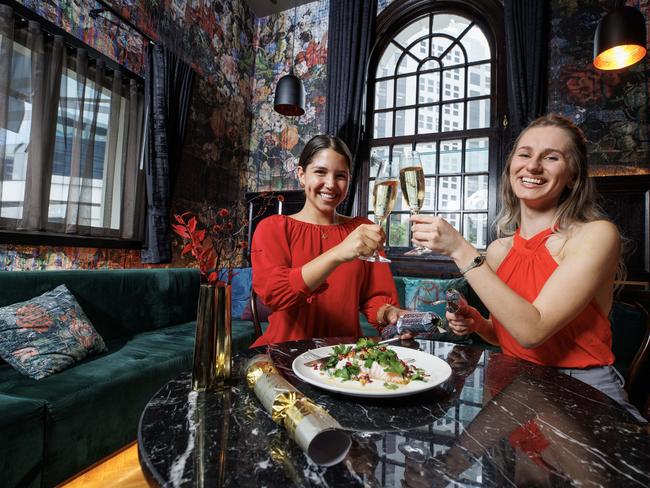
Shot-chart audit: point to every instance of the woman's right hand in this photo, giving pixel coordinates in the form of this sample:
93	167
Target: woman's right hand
462	322
362	241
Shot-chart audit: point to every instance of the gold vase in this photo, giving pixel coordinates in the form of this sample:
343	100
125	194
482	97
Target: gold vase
213	341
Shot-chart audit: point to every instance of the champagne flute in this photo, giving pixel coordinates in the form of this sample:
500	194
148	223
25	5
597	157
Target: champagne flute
411	177
384	194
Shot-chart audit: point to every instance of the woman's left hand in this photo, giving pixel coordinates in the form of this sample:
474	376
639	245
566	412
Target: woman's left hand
436	234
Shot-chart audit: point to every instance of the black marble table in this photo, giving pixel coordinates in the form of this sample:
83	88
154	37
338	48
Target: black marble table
496	422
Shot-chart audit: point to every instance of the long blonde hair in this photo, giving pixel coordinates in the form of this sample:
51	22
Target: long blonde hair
577	204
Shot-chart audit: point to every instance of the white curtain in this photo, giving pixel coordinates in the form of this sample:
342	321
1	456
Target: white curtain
70	133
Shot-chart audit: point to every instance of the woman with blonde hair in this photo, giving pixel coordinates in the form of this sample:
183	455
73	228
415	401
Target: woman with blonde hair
548	280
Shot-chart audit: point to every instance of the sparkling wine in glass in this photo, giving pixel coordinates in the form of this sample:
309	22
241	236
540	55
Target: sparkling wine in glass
384	194
411	177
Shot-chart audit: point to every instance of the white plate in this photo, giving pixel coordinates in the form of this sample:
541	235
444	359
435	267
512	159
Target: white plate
437	369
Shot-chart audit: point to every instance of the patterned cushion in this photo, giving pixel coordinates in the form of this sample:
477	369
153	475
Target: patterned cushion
47	334
422	294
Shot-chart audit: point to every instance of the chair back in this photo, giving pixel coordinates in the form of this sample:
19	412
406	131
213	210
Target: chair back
631	347
291	202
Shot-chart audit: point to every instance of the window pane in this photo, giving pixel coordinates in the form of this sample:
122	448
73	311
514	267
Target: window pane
449	193
383	125
380	153
453	219
408	64
413	31
14	137
427	152
421	49
453	84
399	230
439	45
405	122
90	174
478	114
429	88
384	94
450	156
406	91
476	192
429	194
431	64
477	154
453	25
388	61
454	57
476	45
479	80
452	117
475	229
399	149
428	119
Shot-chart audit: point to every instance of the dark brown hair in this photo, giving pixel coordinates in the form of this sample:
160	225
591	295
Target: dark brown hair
320	142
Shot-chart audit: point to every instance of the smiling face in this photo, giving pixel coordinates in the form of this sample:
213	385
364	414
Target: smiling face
325	179
541	168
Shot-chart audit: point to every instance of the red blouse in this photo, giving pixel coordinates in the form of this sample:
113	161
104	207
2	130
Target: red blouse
584	342
281	246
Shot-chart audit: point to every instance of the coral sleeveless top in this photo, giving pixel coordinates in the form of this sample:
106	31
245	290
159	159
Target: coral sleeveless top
584	342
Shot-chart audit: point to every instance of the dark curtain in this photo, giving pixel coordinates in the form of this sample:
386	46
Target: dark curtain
526	28
168	91
351	36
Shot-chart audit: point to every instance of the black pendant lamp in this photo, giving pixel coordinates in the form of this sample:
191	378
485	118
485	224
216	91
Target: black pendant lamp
290	92
620	39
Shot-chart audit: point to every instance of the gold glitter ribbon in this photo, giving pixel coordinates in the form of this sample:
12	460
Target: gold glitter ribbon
297	412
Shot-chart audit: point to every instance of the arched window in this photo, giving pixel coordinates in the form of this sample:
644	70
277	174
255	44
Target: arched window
433	87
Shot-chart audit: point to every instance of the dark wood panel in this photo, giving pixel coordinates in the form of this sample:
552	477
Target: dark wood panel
626	199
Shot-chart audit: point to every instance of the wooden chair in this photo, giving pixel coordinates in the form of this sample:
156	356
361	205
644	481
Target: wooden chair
631	346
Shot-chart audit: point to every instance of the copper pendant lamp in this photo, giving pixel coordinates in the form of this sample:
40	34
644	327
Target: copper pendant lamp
620	39
290	92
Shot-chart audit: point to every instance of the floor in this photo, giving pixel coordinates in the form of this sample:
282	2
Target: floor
121	470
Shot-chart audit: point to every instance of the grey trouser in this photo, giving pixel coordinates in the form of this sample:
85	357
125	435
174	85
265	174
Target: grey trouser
608	380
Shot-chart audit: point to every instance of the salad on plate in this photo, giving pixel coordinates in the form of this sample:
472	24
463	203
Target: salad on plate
367	362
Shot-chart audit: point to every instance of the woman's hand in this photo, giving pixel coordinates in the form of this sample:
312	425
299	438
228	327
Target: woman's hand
389	315
436	234
462	322
362	241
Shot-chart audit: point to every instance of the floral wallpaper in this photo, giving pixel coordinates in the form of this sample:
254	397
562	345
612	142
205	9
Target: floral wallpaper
103	33
610	106
31	258
276	140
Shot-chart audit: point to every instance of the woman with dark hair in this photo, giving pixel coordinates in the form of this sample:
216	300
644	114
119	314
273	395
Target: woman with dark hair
306	266
548	281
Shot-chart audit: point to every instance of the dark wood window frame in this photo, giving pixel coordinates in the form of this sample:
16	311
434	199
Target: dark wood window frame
487	14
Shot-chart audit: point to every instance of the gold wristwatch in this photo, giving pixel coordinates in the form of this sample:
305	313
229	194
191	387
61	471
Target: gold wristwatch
476	262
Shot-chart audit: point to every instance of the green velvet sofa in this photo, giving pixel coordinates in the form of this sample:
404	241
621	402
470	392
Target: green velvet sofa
57	426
